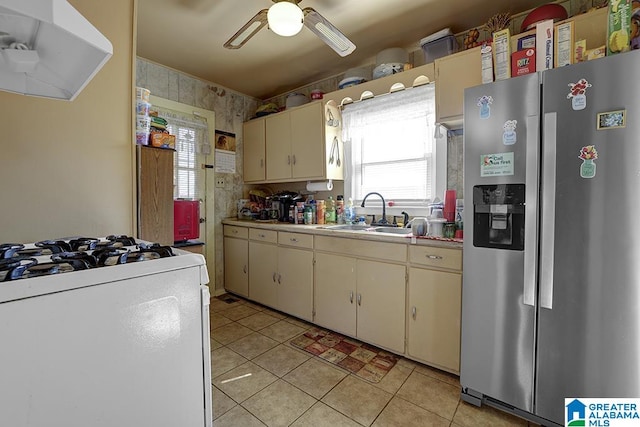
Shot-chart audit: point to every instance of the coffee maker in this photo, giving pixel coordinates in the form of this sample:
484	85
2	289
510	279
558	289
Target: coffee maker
282	202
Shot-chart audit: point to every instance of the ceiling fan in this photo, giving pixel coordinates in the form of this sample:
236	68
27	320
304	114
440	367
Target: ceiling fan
286	18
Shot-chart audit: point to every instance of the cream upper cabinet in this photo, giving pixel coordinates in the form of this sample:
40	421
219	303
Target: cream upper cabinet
307	141
302	143
455	73
278	146
434	310
254	164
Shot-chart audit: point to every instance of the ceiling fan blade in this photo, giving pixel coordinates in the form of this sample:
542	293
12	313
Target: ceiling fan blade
329	34
247	31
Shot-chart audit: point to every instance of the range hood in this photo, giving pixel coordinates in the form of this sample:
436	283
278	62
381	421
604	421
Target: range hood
48	49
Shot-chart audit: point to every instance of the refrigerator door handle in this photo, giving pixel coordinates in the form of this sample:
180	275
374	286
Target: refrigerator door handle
531	211
548	210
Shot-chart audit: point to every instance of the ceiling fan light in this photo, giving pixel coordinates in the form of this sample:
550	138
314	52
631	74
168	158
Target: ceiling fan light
285	19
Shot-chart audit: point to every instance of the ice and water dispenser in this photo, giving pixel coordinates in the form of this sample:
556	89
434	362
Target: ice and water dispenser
498	216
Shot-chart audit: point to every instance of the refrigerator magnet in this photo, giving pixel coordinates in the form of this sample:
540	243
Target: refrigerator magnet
588	154
484	102
577	94
497	164
612	119
509	136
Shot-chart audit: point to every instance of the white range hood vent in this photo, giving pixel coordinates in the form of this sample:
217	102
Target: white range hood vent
48	49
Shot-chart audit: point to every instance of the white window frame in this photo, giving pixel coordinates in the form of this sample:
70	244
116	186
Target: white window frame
438	168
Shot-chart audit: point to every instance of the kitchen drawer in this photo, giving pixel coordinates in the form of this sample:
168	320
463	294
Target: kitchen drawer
269	236
436	257
297	240
233	231
363	248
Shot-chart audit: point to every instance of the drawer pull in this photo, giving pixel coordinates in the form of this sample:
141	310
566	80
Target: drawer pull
433	256
262	236
294	240
413	313
351	297
234	231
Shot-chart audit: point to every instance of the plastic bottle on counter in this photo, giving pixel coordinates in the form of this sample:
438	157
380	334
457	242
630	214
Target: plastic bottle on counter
340	209
320	207
308	214
330	212
349	213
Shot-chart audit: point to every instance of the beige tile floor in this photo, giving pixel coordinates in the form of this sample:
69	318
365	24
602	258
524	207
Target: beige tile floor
259	379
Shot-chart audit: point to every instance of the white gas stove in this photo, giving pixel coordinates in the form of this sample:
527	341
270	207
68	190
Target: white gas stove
103	332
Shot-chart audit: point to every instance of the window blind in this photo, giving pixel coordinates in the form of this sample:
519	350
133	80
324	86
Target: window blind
191	133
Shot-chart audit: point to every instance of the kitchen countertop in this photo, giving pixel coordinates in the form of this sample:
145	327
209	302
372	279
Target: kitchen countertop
322	230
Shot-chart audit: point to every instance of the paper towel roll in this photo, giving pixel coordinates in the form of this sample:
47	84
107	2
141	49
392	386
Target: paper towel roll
320	186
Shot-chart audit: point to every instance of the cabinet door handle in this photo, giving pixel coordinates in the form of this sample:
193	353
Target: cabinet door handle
288	160
294	159
279	278
261	163
413	313
359	299
351	297
433	256
244	269
274	277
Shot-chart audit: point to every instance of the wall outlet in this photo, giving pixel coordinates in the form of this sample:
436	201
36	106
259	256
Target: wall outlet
219	182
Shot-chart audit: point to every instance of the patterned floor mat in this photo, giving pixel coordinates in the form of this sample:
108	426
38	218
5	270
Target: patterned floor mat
364	360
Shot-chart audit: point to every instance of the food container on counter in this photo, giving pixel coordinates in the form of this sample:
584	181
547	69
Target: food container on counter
143	94
436	227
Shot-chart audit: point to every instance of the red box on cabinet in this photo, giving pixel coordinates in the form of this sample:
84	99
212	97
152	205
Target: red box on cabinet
186	220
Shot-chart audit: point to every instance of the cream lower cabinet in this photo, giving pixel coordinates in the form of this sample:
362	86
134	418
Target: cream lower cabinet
236	266
434	308
335	293
360	297
236	260
281	277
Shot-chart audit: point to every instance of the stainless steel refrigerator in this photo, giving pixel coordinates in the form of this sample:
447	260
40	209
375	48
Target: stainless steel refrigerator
551	284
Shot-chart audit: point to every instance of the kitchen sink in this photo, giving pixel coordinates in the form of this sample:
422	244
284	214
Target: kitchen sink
351	227
392	230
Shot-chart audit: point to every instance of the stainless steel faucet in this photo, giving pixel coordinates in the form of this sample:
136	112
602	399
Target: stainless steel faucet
383	220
